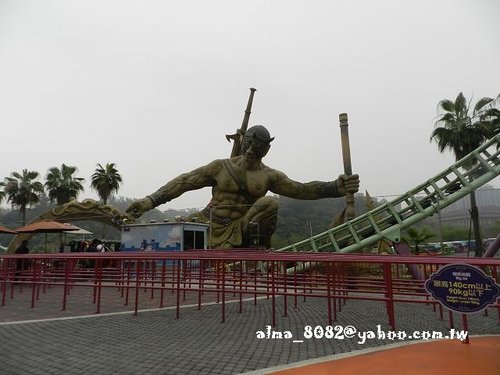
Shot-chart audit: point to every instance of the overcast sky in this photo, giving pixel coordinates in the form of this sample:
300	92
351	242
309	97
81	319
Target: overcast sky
154	86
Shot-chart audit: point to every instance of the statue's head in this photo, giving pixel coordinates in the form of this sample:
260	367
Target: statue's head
257	141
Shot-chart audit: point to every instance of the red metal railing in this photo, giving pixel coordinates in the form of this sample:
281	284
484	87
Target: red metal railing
238	275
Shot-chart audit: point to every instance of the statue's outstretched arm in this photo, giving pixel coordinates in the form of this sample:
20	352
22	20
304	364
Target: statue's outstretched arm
282	185
196	179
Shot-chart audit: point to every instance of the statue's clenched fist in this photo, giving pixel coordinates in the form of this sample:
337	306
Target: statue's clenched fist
140	206
348	184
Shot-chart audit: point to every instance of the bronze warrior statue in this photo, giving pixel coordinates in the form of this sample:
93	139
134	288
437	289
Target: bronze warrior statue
239	186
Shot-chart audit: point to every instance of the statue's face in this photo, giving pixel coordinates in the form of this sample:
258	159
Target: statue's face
254	148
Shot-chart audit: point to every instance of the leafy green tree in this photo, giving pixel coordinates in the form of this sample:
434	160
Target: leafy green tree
106	181
2	192
462	128
23	190
417	237
491	116
61	186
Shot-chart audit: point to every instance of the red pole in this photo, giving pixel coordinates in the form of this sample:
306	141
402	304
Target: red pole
178	289
99	285
95	280
153	272
389	295
273	290
334	279
137	285
121	278
223	292
33	283
466	328
450	316
285	295
328	291
129	266
241	288
255	286
295	284
163	270
6	265
200	283
217	263
66	282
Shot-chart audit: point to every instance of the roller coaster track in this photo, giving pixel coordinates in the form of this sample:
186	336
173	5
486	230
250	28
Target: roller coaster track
388	220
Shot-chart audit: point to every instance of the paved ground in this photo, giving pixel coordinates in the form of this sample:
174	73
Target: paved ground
155	342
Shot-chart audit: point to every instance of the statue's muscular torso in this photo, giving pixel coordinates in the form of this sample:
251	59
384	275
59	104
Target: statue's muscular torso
228	198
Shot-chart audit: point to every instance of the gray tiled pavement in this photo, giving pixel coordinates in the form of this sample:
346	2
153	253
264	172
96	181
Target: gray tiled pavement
155	342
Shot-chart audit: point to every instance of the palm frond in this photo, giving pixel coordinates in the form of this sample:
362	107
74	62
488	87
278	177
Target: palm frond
447	105
460	105
481	103
447	118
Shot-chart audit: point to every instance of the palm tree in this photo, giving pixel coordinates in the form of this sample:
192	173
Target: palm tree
61	186
106	181
492	117
22	190
417	237
2	192
461	129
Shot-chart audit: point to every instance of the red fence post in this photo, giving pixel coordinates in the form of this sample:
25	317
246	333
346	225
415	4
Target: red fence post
273	291
163	270
153	278
99	284
127	290
328	290
33	283
240	310
66	283
137	285
200	282
223	307
466	328
389	295
255	286
178	290
6	263
285	291
335	270
295	288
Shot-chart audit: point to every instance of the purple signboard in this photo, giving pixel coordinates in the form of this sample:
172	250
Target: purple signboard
463	288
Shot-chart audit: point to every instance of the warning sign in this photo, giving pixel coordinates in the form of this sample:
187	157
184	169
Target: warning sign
463	288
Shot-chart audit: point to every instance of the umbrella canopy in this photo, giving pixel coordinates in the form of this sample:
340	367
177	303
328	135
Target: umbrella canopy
46	226
79	231
7	230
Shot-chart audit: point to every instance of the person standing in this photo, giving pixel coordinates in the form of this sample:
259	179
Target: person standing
22	264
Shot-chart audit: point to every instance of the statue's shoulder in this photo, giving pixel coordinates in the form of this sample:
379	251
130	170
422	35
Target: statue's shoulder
268	169
211	168
218	162
233	162
273	175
